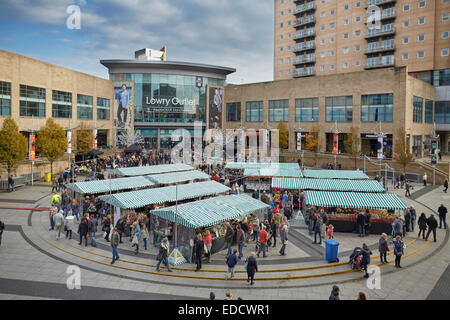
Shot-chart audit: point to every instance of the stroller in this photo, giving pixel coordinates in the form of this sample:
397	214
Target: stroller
355	259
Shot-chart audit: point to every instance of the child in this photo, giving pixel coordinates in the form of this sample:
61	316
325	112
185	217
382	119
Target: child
330	231
144	236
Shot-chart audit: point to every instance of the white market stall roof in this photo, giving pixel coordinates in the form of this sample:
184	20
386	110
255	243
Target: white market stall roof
148	170
175	177
259	165
335	174
273	172
142	198
327	184
354	200
205	213
103	186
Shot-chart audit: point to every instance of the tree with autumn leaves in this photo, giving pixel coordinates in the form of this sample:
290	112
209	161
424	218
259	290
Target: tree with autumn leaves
313	141
85	139
402	152
283	135
13	145
51	142
352	144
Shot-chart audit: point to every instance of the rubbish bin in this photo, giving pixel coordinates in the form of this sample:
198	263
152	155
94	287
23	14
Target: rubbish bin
331	250
48	177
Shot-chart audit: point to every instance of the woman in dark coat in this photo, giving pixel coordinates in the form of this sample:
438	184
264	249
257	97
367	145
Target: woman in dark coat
198	251
383	247
365	258
252	267
83	230
422	222
107	226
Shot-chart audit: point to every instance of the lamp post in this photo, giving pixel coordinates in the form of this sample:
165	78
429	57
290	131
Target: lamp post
335	142
434	145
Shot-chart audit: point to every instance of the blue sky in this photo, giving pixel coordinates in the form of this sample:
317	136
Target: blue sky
232	33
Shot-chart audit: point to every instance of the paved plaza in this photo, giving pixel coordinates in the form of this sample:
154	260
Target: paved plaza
33	265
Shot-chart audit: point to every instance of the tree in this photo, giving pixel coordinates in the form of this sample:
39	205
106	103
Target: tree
402	152
313	142
283	135
13	145
52	142
352	144
85	139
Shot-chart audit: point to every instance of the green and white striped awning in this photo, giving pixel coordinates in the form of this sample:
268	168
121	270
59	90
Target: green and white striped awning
103	186
327	184
272	172
175	177
335	174
147	170
205	213
259	165
354	200
142	198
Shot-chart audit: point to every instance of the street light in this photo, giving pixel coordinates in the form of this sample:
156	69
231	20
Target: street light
434	144
335	142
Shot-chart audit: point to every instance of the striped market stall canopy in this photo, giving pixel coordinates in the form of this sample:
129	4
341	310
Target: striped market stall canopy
147	170
103	186
205	213
142	198
175	177
273	172
335	174
259	165
354	200
327	184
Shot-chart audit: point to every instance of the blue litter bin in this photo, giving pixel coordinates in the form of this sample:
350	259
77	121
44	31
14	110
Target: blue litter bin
331	250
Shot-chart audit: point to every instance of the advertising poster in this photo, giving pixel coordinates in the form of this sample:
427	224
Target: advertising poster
95	139
32	147
69	142
215	102
335	144
123	105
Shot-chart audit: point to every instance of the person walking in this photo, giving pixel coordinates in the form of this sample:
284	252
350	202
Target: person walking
284	239
311	221
442	216
198	250
2	229
163	254
422	222
424	179
432	226
317	230
58	219
75	209
256	229
54	185
445	185
229	237
136	236
83	230
114	245
263	237
397	227
231	262
106	227
11	183
273	234
92	228
245	228
413	217
334	294
399	248
69	224
207	239
361	222
365	258
240	238
407	217
121	228
407	187
144	236
252	268
383	248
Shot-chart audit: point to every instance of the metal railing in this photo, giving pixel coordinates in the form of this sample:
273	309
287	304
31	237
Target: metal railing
305	7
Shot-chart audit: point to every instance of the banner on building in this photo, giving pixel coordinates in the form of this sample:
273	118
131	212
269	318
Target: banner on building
215	107
32	150
69	142
380	148
299	141
95	139
335	144
123	105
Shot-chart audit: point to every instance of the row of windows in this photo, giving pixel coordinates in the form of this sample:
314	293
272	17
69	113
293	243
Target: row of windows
32	103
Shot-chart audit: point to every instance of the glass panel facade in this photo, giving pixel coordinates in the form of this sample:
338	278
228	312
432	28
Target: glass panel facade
307	110
84	107
417	109
279	110
103	110
428	111
167	98
339	109
442	112
417	146
61	104
377	107
234	111
5	98
32	101
254	111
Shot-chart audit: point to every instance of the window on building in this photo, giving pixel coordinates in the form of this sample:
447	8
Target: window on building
406	7
279	110
444	52
307	110
405	56
322	41
281	13
428	111
358	4
5	98
281	61
281	25
233	112
289	23
332	40
332	25
281	37
357	33
331	53
84	107
322	68
357	18
421	54
417	109
345	50
339	109
377	107
289	72
345	64
322	14
345	21
417	146
281	49
289	48
254	111
422	4
322	54
405	40
421	20
406	24
357	63
61	104
332	12
421	37
445	34
281	73
442	112
357	48
288	60
445	17
322	27
345	7
346	35
103	109
331	66
32	101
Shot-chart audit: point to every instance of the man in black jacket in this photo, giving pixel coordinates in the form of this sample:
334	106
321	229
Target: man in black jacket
442	216
83	230
432	226
229	237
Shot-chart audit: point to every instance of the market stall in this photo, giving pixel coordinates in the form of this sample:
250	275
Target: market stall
327	184
343	208
150	170
178	177
334	174
210	214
